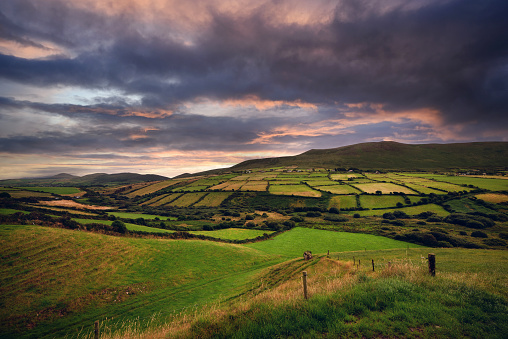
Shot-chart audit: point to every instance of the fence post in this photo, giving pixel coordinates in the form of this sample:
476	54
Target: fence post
432	264
354	261
305	284
372	265
96	329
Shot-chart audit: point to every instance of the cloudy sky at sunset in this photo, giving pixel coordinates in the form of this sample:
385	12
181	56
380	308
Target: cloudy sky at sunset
171	86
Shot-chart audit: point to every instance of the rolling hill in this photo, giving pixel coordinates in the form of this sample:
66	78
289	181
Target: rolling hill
389	155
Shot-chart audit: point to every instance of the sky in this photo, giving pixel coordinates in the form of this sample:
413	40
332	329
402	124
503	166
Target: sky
169	86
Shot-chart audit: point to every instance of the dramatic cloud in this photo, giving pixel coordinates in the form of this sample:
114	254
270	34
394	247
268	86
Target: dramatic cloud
229	80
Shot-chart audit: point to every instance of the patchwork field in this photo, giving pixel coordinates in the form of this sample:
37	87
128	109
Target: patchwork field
372	201
213	199
300	190
187	199
343	202
339	189
493	198
413	210
293	243
152	188
233	233
385	188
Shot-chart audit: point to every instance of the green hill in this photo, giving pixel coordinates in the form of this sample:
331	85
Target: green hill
389	155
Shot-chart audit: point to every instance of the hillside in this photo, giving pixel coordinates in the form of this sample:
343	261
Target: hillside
97	179
389	155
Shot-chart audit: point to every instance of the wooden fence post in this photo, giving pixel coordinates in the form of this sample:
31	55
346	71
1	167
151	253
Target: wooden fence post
372	265
96	329
432	264
305	284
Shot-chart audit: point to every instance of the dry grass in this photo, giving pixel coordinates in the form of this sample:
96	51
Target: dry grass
73	204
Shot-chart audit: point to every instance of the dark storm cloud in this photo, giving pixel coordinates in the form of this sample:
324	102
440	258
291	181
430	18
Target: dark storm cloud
449	56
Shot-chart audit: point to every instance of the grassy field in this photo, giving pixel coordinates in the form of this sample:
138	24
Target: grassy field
339	189
412	210
299	190
233	233
493	197
55	190
484	183
385	188
128	215
153	188
6	211
167	199
373	201
58	281
213	199
343	202
298	240
187	199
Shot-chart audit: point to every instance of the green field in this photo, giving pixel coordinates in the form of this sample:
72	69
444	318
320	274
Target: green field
128	215
293	243
6	211
380	201
187	199
343	202
54	190
385	188
412	210
338	189
152	188
233	233
213	199
300	190
47	272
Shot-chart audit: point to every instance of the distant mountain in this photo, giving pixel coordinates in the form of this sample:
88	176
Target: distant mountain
64	179
389	155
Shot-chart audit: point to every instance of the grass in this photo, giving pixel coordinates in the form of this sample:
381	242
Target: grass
56	281
299	190
385	188
54	190
400	300
213	199
412	210
128	215
233	233
152	188
380	201
6	211
298	240
493	197
339	189
483	183
187	199
343	201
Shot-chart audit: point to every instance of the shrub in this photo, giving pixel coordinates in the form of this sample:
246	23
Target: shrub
421	223
463	233
503	236
494	242
119	226
356	215
313	214
297	219
334	210
249	217
398	223
434	218
445	244
335	218
479	234
388	216
400	215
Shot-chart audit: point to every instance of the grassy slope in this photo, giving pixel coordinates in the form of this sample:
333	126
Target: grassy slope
293	243
60	280
392	155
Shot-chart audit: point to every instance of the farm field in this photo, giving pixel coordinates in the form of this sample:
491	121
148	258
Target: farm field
372	201
338	189
187	199
129	215
55	190
152	188
293	243
233	233
213	199
167	199
412	210
137	277
300	190
493	198
259	186
343	202
385	188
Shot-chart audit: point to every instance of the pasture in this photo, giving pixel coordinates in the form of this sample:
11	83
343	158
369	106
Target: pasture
187	199
53	190
299	190
372	201
152	188
233	233
385	188
293	243
343	202
412	210
212	199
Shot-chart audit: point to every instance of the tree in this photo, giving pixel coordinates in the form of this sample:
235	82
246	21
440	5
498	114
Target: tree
119	227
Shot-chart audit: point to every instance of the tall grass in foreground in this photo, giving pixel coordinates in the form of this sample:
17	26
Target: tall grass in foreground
397	300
